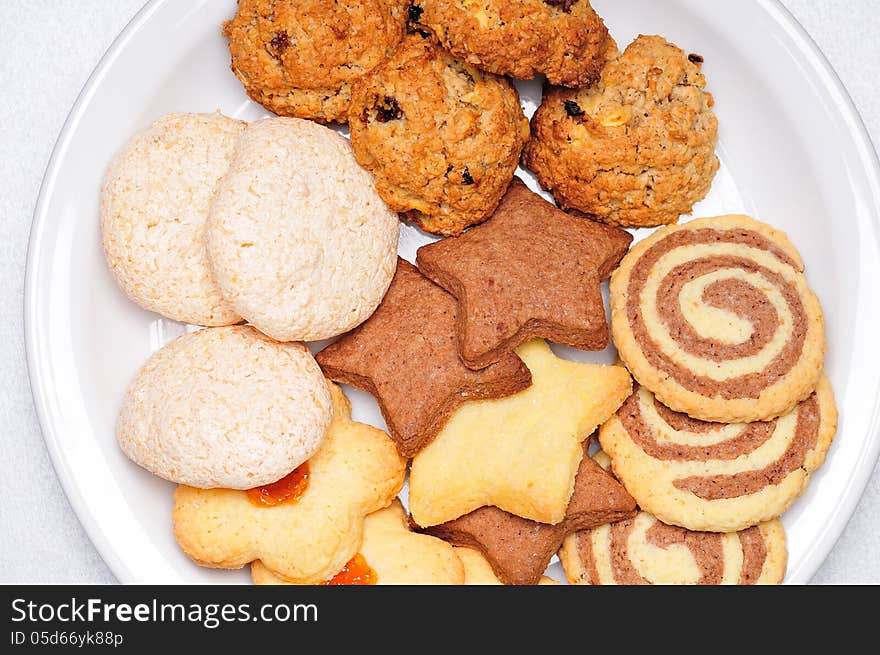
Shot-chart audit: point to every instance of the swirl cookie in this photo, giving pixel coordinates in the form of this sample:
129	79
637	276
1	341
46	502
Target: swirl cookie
225	407
300	243
717	477
392	555
300	58
716	319
154	207
565	40
442	138
643	551
635	150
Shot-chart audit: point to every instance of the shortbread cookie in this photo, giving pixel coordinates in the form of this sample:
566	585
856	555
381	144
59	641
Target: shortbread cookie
308	539
478	571
712	476
565	40
492	270
406	356
396	555
521	453
518	549
637	149
442	138
300	243
154	207
300	58
716	319
225	407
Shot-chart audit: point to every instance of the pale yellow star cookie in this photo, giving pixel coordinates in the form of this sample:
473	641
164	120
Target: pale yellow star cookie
519	453
395	554
356	471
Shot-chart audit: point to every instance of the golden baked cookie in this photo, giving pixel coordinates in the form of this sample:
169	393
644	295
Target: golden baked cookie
521	453
636	150
306	536
642	550
442	137
717	477
566	40
716	318
299	58
393	555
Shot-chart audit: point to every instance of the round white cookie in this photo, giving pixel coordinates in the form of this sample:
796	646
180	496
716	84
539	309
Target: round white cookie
299	240
154	207
225	407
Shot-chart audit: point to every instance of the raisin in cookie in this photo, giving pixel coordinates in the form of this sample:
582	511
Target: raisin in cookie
300	58
563	39
442	137
636	150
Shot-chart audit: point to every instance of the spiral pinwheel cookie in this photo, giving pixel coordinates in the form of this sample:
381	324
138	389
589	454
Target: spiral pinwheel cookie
643	550
715	317
712	476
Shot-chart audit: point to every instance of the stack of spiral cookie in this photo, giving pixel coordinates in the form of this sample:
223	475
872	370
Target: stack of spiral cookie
731	414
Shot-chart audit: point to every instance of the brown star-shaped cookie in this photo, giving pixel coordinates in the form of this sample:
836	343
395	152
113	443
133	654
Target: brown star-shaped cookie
530	271
406	355
519	549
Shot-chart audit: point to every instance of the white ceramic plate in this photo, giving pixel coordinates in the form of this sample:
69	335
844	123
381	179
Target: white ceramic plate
794	153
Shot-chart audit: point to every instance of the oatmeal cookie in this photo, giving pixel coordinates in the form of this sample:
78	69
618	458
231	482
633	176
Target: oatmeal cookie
638	149
300	58
442	137
566	40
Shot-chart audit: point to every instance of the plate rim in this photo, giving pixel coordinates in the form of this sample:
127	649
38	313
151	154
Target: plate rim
781	15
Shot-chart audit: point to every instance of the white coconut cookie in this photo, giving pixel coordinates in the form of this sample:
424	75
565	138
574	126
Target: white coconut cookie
300	242
225	407
154	206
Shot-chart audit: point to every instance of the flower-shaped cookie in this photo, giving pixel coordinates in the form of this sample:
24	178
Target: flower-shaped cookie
394	554
357	471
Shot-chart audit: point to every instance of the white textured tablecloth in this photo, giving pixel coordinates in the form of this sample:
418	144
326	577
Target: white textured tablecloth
47	50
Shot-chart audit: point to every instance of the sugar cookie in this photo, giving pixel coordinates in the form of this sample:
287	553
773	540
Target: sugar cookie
396	555
521	453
